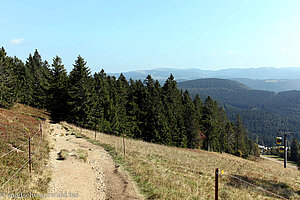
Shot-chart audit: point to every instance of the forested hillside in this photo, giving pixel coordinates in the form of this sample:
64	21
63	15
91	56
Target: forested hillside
140	109
263	112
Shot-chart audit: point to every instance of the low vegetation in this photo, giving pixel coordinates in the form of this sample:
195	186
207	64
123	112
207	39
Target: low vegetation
16	125
174	173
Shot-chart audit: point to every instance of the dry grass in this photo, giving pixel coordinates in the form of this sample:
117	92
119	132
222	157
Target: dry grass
63	154
172	173
16	125
82	154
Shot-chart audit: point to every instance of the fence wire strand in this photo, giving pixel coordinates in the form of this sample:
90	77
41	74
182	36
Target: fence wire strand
253	185
33	154
16	148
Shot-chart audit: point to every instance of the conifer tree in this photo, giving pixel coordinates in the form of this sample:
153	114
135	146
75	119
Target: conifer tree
190	120
295	150
231	139
121	101
208	122
59	91
240	134
19	79
112	110
80	92
172	99
198	110
6	80
39	77
102	101
154	122
136	108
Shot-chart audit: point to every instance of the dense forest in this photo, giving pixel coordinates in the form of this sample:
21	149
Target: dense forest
144	110
264	113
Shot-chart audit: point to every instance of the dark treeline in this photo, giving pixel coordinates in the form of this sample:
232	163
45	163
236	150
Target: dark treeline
144	110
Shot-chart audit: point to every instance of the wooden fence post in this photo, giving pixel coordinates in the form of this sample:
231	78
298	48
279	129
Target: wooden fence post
217	184
41	129
29	156
124	143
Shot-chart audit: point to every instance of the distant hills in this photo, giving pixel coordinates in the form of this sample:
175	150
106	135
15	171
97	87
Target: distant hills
264	112
268	78
276	85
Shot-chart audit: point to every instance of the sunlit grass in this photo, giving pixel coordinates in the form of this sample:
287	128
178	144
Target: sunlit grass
164	172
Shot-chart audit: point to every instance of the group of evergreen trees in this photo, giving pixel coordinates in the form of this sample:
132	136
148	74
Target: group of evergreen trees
295	152
140	109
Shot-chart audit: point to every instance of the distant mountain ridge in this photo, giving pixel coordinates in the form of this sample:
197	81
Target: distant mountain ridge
213	83
266	78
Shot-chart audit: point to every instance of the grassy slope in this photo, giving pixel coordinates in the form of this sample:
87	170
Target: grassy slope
281	159
172	173
16	125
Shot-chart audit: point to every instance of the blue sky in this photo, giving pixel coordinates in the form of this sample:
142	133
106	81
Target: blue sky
125	35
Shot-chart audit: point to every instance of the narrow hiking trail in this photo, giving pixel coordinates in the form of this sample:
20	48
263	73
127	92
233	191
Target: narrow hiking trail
279	162
81	170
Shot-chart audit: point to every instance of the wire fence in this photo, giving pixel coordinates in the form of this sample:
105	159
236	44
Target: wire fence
17	148
31	155
243	181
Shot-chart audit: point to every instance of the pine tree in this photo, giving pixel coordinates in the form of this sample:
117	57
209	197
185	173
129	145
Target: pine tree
38	77
59	91
172	100
6	80
154	124
190	120
80	93
121	101
240	134
208	122
136	108
112	110
19	79
102	101
231	139
295	150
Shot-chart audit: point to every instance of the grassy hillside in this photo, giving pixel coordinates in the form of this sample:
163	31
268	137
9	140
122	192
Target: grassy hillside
16	125
173	173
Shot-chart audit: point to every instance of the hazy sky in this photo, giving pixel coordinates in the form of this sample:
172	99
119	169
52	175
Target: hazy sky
124	35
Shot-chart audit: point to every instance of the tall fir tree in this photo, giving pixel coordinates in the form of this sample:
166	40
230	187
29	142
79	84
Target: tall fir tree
39	77
172	100
79	93
295	150
190	120
7	80
121	101
102	101
59	91
240	137
136	107
154	122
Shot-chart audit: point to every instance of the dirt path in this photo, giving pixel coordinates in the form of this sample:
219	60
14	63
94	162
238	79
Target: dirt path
279	162
87	172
